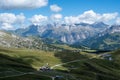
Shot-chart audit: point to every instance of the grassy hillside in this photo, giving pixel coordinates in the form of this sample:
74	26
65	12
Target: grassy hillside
91	68
35	58
116	56
23	64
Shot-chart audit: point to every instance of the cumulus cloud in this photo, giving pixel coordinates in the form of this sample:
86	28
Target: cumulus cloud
7	20
90	17
55	8
20	19
56	17
22	4
71	20
6	26
118	20
38	19
108	16
10	20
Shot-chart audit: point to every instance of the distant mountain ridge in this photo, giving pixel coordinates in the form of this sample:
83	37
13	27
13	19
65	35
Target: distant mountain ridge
66	33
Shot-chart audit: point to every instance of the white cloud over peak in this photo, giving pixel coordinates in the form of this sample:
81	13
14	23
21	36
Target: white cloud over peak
118	20
71	19
56	17
22	4
38	19
55	8
90	17
7	20
12	21
108	16
6	26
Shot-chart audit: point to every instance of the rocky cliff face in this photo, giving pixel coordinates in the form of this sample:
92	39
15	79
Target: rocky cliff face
63	32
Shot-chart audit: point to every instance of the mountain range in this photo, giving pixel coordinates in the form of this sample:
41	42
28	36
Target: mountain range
66	33
95	36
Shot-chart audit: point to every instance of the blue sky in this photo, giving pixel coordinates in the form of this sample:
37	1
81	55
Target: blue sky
72	7
75	7
67	9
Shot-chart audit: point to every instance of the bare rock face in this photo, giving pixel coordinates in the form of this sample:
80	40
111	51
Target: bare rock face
63	32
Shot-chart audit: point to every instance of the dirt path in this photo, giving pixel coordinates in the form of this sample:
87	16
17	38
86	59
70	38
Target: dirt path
57	65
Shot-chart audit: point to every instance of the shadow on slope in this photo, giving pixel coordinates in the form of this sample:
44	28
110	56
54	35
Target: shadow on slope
12	63
12	68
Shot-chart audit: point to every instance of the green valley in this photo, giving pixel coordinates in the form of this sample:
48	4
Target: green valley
24	64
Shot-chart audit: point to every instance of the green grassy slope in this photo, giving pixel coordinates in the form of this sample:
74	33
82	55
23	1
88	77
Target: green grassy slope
90	68
35	58
116	56
23	64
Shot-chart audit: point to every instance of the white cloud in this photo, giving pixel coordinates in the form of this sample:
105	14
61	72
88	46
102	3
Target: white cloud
108	16
55	8
56	17
20	19
10	20
71	19
118	20
90	17
38	19
6	26
7	20
22	4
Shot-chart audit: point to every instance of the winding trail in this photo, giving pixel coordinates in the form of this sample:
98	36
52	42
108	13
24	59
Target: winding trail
57	65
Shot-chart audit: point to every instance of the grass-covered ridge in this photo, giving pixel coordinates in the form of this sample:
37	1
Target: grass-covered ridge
35	58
